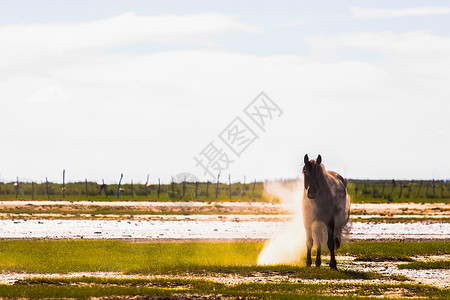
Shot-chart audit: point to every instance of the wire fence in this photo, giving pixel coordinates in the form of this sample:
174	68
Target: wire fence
172	191
359	190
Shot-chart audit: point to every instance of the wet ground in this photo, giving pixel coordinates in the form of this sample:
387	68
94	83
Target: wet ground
236	221
198	229
438	278
171	210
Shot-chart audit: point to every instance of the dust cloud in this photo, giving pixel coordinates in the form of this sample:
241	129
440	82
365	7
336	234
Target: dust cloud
288	246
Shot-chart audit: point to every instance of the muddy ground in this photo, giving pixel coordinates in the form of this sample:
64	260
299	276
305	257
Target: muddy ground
241	211
244	211
438	277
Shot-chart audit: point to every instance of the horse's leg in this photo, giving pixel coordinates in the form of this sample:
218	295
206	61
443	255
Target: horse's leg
309	243
318	259
330	244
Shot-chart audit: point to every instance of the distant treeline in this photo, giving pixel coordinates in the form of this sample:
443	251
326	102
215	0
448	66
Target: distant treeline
359	190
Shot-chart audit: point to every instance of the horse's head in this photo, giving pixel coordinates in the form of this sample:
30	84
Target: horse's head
311	173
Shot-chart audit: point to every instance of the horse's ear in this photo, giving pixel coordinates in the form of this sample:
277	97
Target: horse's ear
319	159
306	159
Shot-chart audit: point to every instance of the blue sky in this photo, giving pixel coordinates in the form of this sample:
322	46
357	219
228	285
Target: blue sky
141	87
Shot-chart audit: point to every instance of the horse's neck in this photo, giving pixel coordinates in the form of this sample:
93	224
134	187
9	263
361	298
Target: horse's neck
323	179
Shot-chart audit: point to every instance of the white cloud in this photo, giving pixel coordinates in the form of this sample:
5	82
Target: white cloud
49	94
391	13
292	24
152	112
415	47
24	42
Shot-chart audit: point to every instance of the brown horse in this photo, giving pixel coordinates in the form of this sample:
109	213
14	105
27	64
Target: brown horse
325	201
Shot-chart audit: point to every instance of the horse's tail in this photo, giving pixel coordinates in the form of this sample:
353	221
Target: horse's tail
337	240
341	221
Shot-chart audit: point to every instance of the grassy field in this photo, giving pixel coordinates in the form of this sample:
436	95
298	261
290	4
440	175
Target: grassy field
376	191
63	256
195	269
202	289
82	211
367	191
444	264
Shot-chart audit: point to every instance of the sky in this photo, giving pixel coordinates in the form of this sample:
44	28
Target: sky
164	88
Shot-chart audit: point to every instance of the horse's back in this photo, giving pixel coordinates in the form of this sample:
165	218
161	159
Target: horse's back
337	179
338	187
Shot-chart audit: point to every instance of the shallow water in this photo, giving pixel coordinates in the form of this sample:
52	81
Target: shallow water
155	229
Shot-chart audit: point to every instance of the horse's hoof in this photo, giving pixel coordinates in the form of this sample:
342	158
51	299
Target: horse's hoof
333	267
318	263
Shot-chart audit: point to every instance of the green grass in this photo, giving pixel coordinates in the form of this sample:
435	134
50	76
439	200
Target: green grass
445	264
98	287
368	191
63	256
394	250
92	210
76	191
236	259
422	191
389	219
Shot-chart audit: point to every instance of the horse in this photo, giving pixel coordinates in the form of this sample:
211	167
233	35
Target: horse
325	200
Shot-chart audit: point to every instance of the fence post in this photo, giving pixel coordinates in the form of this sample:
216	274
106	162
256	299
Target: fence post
104	187
173	193
196	190
86	185
217	186
159	187
184	186
64	184
253	190
32	190
410	187
46	186
16	187
118	186
132	189
392	191
145	186
420	187
229	184
434	189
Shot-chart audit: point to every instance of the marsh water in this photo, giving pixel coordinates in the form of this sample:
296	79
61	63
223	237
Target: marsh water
198	229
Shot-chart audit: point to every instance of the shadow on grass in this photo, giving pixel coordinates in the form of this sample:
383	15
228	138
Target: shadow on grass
82	287
264	271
